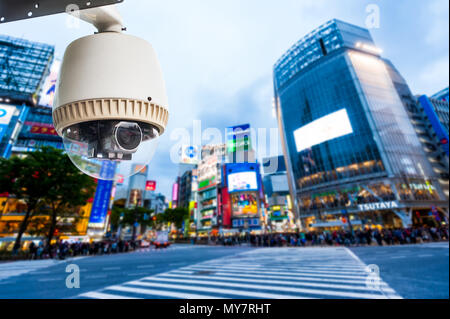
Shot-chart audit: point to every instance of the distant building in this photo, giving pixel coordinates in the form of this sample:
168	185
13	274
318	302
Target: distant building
185	189
155	202
442	95
430	119
208	187
352	152
279	214
433	124
136	186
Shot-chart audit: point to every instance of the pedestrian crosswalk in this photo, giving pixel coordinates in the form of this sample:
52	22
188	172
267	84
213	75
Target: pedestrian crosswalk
270	273
8	270
13	269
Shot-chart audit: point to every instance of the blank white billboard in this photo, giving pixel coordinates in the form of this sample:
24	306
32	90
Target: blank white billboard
279	183
326	128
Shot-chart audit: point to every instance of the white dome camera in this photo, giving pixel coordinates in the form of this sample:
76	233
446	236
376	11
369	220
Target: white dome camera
110	102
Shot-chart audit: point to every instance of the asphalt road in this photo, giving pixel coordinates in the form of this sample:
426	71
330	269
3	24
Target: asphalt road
414	271
420	271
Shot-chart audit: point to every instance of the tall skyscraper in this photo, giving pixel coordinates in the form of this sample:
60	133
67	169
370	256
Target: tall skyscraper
352	152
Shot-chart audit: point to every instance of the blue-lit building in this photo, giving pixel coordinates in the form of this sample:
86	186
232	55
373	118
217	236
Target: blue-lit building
350	146
429	117
442	95
24	67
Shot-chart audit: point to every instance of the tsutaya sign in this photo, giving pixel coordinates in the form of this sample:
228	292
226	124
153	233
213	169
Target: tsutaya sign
377	206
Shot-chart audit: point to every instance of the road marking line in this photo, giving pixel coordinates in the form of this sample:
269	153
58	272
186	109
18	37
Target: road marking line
261	287
172	294
146	266
177	264
398	257
100	295
218	290
111	268
137	274
50	279
390	295
41	273
297	269
294	263
289	278
259	281
96	277
275	272
423	256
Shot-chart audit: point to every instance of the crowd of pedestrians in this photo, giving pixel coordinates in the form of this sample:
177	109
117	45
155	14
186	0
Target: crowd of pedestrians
413	235
367	237
64	249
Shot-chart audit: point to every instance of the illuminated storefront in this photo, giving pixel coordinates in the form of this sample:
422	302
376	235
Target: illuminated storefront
208	188
244	192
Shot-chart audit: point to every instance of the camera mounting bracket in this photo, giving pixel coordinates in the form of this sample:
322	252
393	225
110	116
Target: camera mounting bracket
13	10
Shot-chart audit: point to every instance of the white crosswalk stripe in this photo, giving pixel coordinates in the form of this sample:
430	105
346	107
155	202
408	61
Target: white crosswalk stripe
270	273
12	269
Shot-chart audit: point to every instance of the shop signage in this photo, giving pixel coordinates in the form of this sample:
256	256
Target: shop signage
378	206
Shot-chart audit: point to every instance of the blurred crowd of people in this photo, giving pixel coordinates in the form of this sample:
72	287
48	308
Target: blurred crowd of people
413	235
64	249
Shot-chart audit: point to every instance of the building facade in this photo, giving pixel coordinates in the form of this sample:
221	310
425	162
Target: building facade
24	125
208	188
279	215
351	150
442	95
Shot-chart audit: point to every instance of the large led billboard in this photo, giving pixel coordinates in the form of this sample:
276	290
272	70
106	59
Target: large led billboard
326	128
243	181
238	138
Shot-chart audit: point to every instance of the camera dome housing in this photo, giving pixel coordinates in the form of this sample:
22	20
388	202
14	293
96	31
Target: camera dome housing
109	78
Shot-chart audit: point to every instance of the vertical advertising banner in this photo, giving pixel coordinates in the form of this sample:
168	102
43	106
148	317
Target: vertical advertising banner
49	87
6	114
102	195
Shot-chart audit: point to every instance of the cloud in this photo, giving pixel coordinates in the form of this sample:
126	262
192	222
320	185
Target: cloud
434	76
217	56
438	31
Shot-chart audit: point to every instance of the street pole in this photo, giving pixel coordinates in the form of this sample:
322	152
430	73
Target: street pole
345	212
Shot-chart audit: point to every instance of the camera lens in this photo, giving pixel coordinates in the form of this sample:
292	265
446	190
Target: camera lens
128	135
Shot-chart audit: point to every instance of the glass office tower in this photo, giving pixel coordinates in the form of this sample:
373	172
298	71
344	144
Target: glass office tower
351	150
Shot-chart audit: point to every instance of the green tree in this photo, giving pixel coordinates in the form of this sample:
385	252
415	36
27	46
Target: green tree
176	215
71	189
131	216
44	177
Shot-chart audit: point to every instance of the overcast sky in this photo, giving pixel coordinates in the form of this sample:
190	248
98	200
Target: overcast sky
217	55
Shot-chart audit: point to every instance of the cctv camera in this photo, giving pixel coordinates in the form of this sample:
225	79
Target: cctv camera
110	101
111	140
